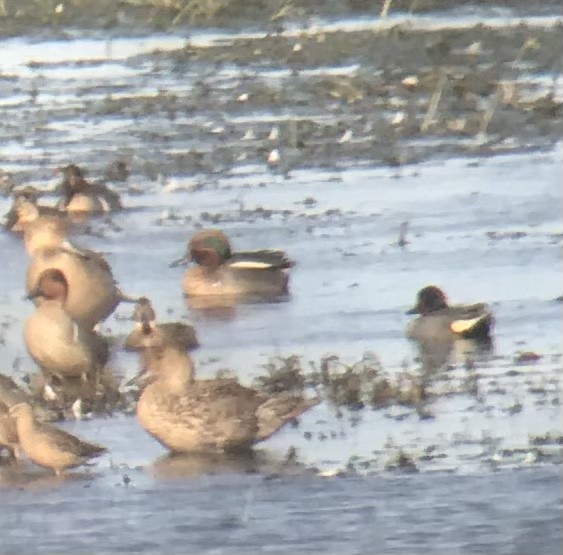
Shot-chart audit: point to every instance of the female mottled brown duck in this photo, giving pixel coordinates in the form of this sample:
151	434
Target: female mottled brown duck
147	333
218	415
47	445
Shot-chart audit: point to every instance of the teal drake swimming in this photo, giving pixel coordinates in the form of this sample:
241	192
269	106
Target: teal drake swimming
147	333
439	321
47	445
217	415
93	294
219	271
55	341
80	195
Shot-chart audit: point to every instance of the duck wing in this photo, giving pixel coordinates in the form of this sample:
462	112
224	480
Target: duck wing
68	443
260	260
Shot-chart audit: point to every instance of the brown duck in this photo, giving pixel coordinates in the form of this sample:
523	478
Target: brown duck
80	195
57	343
49	446
147	333
218	415
93	294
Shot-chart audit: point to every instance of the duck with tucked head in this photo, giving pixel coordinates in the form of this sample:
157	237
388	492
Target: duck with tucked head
80	195
92	292
221	272
49	446
438	320
217	415
147	333
57	343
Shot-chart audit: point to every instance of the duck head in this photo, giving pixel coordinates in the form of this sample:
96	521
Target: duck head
144	315
51	285
429	299
208	248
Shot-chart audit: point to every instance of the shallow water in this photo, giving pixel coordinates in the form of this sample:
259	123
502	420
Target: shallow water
510	512
483	228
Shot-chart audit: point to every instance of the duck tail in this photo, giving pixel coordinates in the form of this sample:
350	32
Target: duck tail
277	411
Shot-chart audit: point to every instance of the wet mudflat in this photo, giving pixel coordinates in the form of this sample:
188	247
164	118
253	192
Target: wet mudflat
361	151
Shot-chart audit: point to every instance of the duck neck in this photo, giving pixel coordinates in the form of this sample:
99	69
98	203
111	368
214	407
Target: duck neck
24	423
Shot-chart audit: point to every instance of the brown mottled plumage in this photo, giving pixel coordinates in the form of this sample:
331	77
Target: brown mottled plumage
147	333
93	294
218	415
25	210
49	446
80	195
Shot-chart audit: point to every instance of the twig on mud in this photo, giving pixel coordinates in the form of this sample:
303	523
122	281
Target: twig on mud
434	101
385	8
529	44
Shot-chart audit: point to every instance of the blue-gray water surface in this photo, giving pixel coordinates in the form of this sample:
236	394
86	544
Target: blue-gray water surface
510	512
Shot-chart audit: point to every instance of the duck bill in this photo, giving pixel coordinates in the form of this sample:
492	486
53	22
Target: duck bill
413	310
11	219
142	379
180	262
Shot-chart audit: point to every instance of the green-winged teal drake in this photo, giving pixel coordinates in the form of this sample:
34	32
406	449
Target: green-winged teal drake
49	446
93	294
219	271
439	321
80	195
217	415
147	333
57	343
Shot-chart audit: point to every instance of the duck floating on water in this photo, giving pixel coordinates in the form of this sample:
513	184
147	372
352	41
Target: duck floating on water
438	320
221	272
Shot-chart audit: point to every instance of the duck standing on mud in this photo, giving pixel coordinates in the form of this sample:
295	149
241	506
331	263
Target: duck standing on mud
49	446
207	416
57	343
80	195
92	292
25	209
221	272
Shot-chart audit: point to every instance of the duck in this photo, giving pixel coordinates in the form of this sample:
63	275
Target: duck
8	433
438	321
219	271
25	209
93	293
147	333
57	343
80	195
189	415
49	446
11	394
